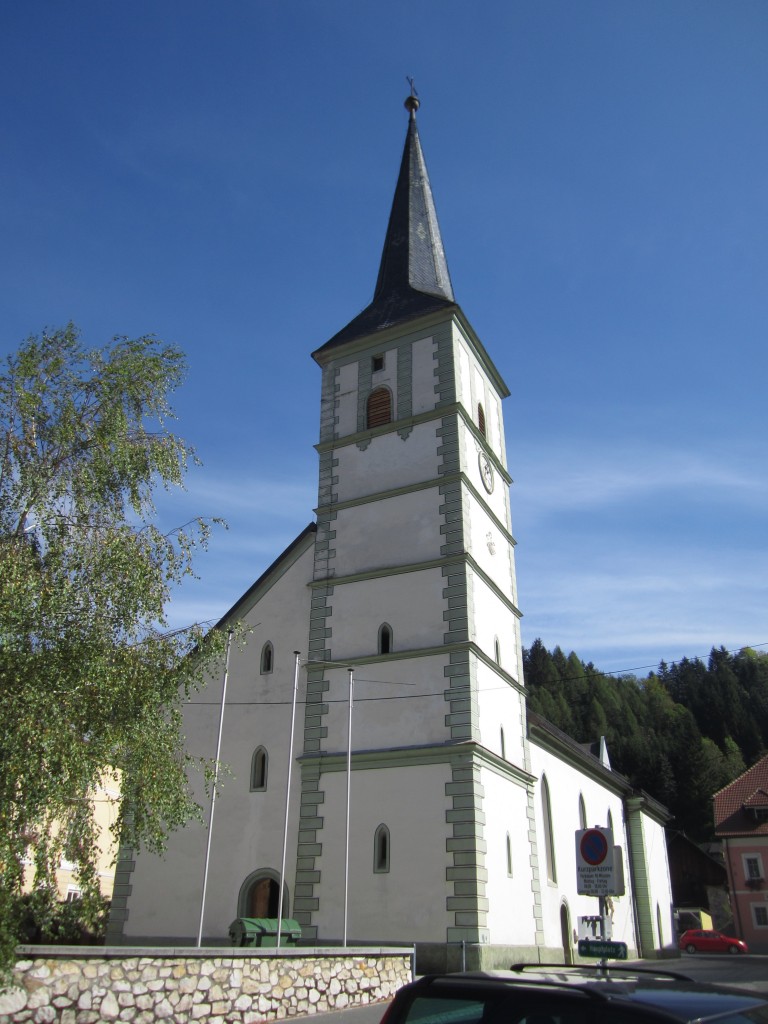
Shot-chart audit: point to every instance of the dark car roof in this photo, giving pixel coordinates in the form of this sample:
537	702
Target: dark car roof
668	993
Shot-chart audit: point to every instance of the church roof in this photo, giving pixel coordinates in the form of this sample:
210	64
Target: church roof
413	276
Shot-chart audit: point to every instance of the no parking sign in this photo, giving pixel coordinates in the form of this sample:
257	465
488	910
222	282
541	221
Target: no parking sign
595	862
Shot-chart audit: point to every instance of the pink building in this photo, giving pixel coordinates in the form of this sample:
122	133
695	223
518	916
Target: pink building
741	822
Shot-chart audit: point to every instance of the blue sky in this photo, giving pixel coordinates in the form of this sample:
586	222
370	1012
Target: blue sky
220	175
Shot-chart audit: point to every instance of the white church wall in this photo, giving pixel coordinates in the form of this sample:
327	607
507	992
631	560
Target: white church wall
387	462
406	904
493	620
373	534
510	897
474	388
500	707
660	886
346	411
566	784
410	603
470	451
423	375
248	826
387	696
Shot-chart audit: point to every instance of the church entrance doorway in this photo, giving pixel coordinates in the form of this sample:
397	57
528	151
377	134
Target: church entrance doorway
565	931
260	895
263	898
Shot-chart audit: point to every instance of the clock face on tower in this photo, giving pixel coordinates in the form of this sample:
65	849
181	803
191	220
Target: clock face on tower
486	471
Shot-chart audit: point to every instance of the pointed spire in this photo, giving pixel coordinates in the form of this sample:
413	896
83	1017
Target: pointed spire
413	255
413	275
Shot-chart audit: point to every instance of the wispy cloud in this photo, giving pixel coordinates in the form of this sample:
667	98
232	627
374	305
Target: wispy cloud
584	473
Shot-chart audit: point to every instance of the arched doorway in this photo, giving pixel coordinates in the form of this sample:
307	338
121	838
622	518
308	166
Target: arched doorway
565	931
260	895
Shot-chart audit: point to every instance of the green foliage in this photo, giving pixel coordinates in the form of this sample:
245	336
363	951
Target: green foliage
91	679
681	734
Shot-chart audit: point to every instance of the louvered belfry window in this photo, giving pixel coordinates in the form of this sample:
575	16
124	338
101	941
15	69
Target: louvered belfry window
481	419
379	407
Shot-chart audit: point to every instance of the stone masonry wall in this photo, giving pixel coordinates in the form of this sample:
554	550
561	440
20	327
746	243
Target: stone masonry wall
215	986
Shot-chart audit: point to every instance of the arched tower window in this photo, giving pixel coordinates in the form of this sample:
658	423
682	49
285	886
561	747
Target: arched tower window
259	764
381	850
610	820
481	419
385	638
582	812
267	658
549	834
379	409
497	650
503	743
509	856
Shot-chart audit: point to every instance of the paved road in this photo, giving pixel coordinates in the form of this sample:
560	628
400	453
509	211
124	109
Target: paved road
748	972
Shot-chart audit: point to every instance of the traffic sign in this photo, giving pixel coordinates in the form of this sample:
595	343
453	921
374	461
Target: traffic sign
595	862
603	949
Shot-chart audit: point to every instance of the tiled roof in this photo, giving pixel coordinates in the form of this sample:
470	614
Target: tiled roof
749	791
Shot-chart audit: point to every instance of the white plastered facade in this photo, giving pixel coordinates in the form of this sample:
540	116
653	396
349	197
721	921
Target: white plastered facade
413	536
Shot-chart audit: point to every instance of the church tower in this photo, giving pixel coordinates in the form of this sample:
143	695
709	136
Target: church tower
431	808
414	599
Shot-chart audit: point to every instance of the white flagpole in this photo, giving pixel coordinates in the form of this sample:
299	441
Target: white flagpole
213	794
287	799
349	777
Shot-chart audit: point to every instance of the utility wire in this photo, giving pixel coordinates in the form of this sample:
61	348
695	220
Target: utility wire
457	691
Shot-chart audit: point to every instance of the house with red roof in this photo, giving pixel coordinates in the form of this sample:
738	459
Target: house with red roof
741	822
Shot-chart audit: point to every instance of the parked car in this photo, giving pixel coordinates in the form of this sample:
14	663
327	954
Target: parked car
702	940
552	994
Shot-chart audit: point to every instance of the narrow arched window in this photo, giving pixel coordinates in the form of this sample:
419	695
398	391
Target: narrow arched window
481	419
549	835
582	812
267	658
509	856
385	638
379	409
497	650
503	743
259	770
381	850
610	820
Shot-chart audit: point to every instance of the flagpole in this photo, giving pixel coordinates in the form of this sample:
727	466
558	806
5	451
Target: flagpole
287	799
349	777
213	794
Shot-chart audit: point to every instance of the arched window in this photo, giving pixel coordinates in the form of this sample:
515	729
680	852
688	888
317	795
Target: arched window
385	638
259	764
481	419
549	834
267	658
582	812
379	409
497	650
503	743
509	856
610	821
381	850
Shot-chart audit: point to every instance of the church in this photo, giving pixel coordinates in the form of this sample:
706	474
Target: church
406	795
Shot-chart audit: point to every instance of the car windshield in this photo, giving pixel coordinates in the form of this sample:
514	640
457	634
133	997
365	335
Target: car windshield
670	1000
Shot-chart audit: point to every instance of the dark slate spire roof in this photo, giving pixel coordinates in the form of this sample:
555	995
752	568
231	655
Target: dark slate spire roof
413	276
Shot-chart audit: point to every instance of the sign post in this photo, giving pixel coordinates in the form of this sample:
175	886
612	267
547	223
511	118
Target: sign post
599	872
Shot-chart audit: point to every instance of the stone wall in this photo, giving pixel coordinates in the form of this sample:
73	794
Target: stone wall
77	985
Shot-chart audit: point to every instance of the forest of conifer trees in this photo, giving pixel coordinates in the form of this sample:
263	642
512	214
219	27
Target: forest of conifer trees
681	733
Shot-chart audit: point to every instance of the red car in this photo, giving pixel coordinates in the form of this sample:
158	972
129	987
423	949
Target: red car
699	940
